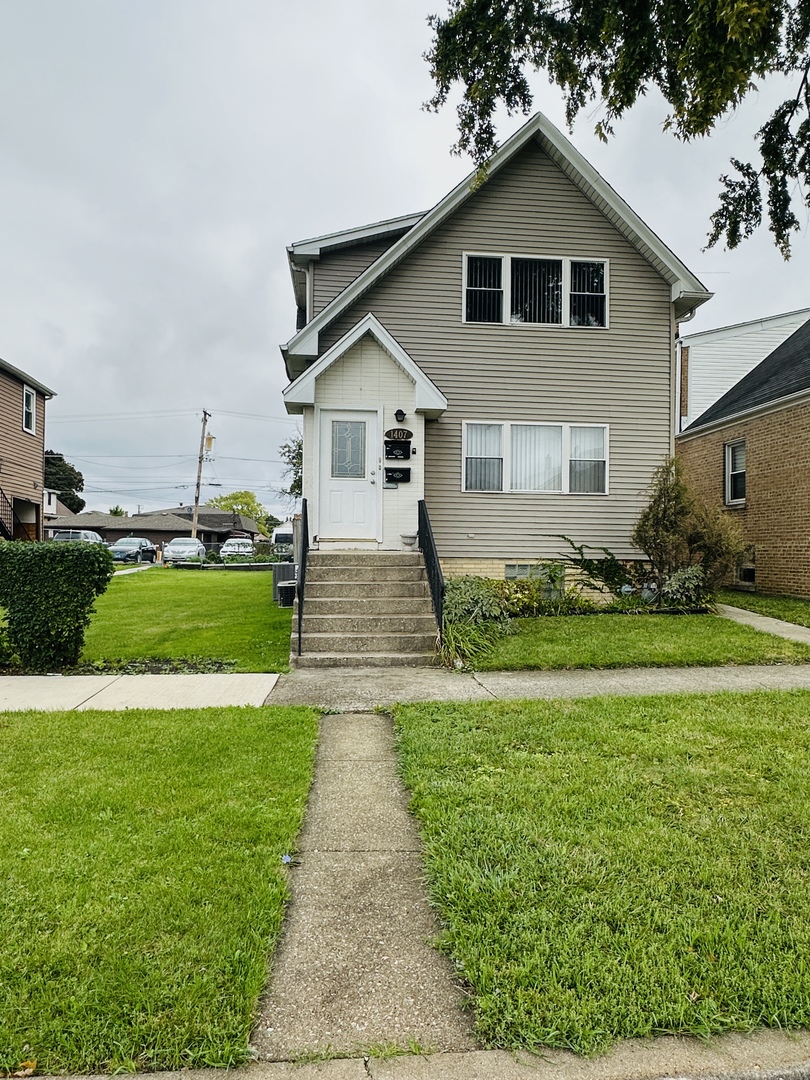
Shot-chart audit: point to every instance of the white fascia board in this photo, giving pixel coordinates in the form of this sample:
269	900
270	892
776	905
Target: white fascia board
723	333
800	397
311	249
686	282
428	398
35	384
305	343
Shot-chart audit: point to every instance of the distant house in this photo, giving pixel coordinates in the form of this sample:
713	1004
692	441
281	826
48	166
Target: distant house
711	362
160	526
22	453
506	358
219	525
750	454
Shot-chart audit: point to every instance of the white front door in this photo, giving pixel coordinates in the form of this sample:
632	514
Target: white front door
348	476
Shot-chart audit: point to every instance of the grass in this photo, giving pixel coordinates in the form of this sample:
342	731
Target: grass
616	641
185	613
790	608
610	868
143	884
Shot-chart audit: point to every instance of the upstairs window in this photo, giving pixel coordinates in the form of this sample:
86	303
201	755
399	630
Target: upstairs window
547	292
29	414
735	472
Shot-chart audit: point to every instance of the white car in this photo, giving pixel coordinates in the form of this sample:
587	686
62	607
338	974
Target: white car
238	545
183	549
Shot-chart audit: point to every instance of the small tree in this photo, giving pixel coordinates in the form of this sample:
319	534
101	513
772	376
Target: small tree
292	454
677	531
242	502
117	511
62	477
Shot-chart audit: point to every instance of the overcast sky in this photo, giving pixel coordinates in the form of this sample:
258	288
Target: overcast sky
159	155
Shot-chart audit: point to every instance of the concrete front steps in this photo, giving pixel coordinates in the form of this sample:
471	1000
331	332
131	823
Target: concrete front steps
365	609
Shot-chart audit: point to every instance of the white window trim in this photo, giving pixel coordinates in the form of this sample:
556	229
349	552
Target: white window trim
506	282
506	446
26	391
729	446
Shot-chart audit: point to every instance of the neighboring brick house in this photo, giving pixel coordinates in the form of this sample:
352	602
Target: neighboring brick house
218	525
750	453
160	526
507	357
22	453
710	362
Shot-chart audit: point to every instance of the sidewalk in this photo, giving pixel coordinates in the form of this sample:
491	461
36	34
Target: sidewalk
357	972
67	692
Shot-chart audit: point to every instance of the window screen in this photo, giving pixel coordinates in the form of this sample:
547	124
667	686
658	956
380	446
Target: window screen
587	294
484	289
484	465
587	466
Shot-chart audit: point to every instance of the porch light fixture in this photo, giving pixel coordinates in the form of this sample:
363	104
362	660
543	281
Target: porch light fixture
399	415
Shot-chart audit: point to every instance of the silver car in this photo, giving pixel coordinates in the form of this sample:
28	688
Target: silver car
183	549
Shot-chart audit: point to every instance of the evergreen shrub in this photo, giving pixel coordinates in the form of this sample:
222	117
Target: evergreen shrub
47	591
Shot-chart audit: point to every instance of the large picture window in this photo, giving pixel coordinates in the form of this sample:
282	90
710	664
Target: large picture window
557	458
548	292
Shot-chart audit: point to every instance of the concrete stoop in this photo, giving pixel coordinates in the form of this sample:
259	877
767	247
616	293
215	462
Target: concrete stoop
365	609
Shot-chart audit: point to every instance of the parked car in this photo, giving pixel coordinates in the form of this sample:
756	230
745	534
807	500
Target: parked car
72	536
133	549
238	545
182	549
282	539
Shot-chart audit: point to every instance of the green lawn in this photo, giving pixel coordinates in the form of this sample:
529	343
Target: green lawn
790	608
191	613
143	883
615	641
610	868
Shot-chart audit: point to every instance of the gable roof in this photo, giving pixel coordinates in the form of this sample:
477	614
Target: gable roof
687	291
135	523
750	326
783	374
428	397
208	516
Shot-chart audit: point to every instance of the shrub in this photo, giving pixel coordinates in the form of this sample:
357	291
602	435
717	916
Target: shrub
47	591
675	531
605	574
686	588
472	600
526	598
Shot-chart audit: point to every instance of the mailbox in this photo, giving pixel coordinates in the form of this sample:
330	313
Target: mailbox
397	449
397	476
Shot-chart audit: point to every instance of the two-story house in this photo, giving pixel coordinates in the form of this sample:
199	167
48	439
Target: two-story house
22	453
508	356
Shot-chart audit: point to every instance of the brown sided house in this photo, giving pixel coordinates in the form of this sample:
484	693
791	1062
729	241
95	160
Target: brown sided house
750	453
22	453
507	357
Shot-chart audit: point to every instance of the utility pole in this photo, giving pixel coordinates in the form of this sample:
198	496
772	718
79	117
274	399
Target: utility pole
199	476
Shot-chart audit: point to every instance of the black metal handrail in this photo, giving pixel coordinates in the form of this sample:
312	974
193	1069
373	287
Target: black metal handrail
427	545
8	519
301	581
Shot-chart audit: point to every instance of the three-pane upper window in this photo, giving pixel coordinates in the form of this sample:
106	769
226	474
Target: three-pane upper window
563	458
29	412
550	292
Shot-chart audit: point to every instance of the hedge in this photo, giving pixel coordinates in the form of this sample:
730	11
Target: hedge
47	591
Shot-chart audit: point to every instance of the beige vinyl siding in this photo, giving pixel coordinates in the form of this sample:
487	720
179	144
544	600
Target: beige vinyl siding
334	271
621	376
21	453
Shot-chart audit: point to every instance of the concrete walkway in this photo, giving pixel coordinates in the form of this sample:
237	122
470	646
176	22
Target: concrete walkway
68	692
764	622
356	968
